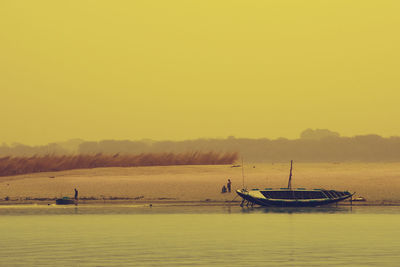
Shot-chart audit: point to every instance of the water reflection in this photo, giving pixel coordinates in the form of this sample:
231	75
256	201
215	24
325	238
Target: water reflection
176	235
187	209
291	210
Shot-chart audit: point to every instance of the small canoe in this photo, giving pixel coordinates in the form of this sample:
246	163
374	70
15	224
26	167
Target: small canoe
65	201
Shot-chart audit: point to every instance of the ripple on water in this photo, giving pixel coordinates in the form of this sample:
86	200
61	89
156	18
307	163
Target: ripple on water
193	235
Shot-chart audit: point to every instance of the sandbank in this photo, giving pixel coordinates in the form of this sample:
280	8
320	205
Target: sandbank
378	183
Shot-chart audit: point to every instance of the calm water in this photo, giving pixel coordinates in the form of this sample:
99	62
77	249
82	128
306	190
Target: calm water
201	236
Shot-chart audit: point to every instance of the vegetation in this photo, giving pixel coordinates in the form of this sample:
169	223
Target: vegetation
23	165
318	145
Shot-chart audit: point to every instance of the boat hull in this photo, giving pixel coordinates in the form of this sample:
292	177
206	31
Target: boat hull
63	201
289	202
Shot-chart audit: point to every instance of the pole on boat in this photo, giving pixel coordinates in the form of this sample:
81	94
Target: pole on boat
289	186
242	173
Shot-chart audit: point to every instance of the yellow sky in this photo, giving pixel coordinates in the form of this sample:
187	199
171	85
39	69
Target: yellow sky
189	69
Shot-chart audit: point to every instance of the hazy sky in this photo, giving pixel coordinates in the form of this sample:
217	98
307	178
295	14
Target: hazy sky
189	69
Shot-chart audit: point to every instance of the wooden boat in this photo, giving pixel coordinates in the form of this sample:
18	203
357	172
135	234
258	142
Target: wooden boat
65	201
288	197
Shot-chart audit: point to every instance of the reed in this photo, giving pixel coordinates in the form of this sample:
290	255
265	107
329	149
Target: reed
50	163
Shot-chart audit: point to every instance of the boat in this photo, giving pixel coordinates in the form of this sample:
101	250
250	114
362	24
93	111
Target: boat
65	201
289	197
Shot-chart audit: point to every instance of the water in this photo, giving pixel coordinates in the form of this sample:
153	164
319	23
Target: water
200	236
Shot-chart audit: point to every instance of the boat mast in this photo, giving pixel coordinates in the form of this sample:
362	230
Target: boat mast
242	173
289	186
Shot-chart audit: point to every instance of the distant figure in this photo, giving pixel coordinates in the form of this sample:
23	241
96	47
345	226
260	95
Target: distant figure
223	189
76	194
229	185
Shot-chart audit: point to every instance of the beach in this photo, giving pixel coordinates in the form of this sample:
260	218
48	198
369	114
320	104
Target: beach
378	183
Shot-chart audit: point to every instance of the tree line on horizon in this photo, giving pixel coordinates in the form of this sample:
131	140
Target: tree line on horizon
318	145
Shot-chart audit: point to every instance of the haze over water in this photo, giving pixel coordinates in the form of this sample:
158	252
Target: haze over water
201	236
176	70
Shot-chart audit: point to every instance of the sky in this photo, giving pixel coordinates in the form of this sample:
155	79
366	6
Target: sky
175	70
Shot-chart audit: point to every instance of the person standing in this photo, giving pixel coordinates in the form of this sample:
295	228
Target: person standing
76	194
228	185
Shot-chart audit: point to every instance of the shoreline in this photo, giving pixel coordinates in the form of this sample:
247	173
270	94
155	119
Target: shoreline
379	184
148	202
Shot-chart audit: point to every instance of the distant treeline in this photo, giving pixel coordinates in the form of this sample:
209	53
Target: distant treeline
332	149
23	165
313	146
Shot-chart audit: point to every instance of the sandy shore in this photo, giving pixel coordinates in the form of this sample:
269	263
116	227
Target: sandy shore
379	183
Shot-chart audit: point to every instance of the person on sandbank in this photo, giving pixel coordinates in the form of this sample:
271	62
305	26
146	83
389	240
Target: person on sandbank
228	185
223	189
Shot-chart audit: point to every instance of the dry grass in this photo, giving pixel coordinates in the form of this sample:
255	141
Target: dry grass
23	165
